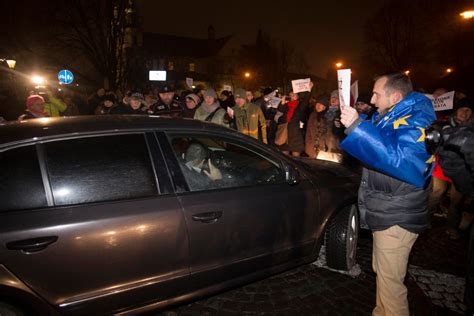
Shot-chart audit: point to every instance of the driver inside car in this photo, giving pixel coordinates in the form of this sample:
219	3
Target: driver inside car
198	162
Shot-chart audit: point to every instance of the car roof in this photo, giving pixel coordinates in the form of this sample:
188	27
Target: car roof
12	133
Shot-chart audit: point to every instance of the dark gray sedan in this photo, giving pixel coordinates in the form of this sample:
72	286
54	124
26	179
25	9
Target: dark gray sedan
123	215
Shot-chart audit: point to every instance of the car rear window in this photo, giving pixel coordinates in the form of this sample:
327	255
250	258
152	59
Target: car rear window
97	169
21	184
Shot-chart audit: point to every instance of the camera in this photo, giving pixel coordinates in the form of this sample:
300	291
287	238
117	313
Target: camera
436	134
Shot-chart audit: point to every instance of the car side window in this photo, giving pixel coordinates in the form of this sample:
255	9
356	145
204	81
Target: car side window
21	184
212	163
94	169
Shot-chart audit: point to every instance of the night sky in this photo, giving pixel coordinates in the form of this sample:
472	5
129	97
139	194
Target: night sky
325	31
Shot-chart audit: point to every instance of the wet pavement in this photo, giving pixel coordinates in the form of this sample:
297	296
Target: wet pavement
435	284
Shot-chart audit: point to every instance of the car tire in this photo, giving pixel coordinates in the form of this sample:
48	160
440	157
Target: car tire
7	309
341	237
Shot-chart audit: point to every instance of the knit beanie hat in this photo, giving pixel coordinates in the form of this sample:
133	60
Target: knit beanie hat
240	93
210	93
323	99
194	97
464	103
32	99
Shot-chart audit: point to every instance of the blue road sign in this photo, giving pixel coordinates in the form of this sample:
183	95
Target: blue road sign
65	76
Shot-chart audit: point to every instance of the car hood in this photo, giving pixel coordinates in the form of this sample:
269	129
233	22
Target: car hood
326	173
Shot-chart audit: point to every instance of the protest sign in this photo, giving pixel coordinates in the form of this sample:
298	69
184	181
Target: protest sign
354	92
301	85
274	102
227	87
344	86
189	82
230	112
443	102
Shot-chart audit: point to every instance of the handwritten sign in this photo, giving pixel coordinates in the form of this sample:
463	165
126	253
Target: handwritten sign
189	82
354	92
344	86
301	85
227	87
443	102
274	102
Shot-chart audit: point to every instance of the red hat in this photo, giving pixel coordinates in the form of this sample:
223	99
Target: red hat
32	99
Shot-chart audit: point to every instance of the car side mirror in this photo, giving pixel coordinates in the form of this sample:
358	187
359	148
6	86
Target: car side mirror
291	174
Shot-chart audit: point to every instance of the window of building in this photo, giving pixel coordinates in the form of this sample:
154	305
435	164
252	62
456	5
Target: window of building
21	184
97	169
170	65
192	67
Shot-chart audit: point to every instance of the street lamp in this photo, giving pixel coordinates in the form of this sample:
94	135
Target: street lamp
10	62
449	70
247	75
467	14
38	80
339	64
406	72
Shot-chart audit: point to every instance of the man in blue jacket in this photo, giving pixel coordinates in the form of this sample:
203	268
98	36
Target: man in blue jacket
395	182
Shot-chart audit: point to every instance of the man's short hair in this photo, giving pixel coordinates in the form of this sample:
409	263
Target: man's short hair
397	81
195	152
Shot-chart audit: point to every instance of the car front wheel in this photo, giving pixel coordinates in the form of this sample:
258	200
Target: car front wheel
341	239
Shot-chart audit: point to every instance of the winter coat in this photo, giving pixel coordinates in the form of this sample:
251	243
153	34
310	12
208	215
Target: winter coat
250	120
27	115
127	109
189	113
101	109
213	113
174	109
396	181
317	130
295	133
54	107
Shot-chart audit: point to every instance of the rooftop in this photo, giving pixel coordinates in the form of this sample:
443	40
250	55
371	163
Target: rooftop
14	133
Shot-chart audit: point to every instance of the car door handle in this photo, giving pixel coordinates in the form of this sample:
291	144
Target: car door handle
32	245
208	218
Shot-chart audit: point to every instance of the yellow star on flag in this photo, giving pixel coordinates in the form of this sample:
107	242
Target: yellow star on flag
401	121
423	135
432	158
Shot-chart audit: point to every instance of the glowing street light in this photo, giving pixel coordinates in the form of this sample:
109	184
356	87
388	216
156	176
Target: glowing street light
38	80
339	64
247	75
467	14
10	62
406	72
449	70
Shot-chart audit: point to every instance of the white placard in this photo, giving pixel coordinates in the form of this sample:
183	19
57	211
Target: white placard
301	85
274	102
227	87
344	86
230	112
355	91
443	102
189	82
157	75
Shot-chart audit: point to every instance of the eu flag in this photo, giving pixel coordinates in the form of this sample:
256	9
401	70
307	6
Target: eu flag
393	143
